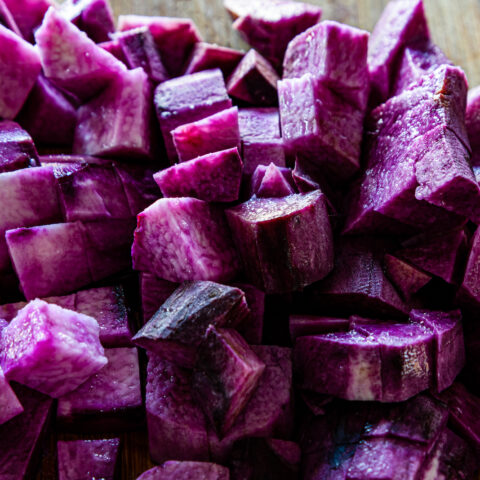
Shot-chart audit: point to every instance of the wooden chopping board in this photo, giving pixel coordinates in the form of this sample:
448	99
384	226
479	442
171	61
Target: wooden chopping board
455	28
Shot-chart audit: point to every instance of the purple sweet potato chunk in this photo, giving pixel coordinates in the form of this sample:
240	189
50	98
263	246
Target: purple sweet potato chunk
259	175
113	47
174	470
226	375
254	81
22	437
285	243
251	328
472	120
7	20
214	177
176	330
176	424
402	22
336	55
19	67
28	14
117	122
110	399
107	306
175	37
87	459
51	349
206	56
49	115
181	239
188	99
217	132
71	60
308	325
274	182
11	406
469	292
154	292
17	149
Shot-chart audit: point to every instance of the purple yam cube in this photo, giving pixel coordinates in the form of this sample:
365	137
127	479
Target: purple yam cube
285	243
206	56
19	67
214	177
336	55
188	99
181	239
7	20
117	122
71	60
176	424
51	349
95	458
272	182
226	374
11	407
154	292
107	306
174	470
139	49
28	14
260	172
469	292
472	120
309	325
175	37
402	22
17	149
113	47
178	327
254	81
110	400
251	328
49	115
217	132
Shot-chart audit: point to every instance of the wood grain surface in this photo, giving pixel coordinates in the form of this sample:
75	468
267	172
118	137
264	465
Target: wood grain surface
455	27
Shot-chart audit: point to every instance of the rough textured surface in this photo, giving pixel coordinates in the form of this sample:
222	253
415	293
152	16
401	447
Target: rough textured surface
186	471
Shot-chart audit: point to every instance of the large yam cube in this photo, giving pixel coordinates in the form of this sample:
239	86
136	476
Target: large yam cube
174	470
19	67
181	239
51	349
71	60
17	149
226	374
206	56
11	406
154	292
178	327
211	134
214	177
176	424
109	400
95	458
285	243
28	14
117	122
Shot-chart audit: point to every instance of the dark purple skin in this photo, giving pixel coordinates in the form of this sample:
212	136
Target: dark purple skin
17	149
154	292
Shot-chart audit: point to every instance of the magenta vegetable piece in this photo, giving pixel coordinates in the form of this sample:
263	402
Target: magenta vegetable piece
71	60
11	407
154	292
226	375
17	149
178	327
198	246
214	177
285	243
175	37
274	182
174	470
117	122
7	20
217	132
206	56
469	292
402	22
472	120
113	47
254	81
51	349
188	99
10	310
28	14
308	325
176	424
88	459
251	328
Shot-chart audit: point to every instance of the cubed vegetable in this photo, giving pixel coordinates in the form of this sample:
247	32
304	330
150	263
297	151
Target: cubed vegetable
17	148
206	56
173	470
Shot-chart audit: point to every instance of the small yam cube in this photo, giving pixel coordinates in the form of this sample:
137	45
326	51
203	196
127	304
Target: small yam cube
206	56
28	15
272	182
174	470
51	349
11	407
16	147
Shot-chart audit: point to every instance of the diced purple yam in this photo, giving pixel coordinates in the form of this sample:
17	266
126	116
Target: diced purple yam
274	182
269	26
260	172
188	99
49	115
472	120
19	67
254	81
251	328
3	324
71	60
226	375
174	470
214	177
51	349
259	123
117	122
82	458
285	243
181	239
211	134
28	14
21	439
154	292
402	22
17	149
176	424
11	406
469	292
305	178
206	56
308	325
175	37
178	327
107	306
7	20
139	49
336	55
10	310
113	47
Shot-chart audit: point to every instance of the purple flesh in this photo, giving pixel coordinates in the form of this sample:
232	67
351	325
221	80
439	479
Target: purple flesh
28	14
113	47
274	182
154	292
206	56
251	328
469	292
7	20
472	120
11	406
308	325
17	149
174	470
